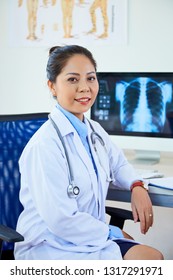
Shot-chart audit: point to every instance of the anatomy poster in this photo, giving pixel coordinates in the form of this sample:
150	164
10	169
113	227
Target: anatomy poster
52	22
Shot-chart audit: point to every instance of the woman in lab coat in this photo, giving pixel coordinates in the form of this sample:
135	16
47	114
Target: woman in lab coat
55	223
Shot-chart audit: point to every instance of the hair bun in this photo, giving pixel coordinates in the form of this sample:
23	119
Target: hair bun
52	49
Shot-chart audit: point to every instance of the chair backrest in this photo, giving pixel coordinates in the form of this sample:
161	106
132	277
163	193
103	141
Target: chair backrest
15	132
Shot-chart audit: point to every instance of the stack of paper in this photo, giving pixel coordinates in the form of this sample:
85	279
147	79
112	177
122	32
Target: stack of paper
166	184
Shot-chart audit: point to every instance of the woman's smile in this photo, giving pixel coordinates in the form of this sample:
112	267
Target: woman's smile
83	100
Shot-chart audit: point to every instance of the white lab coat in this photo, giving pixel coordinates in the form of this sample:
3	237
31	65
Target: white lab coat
56	226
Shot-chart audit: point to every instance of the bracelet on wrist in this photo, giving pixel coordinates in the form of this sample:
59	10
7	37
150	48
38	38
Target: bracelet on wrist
139	184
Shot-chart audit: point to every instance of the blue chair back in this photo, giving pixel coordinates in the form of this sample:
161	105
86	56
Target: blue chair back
15	132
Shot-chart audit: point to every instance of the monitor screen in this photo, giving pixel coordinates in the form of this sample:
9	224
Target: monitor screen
135	104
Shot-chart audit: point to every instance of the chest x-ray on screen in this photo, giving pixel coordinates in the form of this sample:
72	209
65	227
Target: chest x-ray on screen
136	109
143	104
135	104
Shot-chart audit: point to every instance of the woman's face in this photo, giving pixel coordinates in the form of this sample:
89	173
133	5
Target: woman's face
76	87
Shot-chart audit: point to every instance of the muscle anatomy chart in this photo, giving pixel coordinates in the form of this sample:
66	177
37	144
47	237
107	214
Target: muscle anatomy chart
47	22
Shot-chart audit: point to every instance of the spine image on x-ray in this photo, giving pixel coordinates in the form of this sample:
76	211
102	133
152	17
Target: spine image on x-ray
143	104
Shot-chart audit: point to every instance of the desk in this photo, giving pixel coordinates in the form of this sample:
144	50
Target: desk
159	197
164	200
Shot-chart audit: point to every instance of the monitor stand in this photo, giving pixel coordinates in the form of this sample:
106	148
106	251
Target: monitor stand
146	157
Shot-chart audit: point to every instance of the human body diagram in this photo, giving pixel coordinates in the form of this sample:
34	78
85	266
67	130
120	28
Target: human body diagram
102	5
32	8
67	9
87	20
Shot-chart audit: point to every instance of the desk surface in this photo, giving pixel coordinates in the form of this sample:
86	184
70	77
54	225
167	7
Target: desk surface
164	200
159	197
165	165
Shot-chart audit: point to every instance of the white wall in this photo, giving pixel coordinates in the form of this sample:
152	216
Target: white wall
23	86
23	77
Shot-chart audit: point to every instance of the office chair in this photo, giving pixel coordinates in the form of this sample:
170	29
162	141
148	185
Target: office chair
15	132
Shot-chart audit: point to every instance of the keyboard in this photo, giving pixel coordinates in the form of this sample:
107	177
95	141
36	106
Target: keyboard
148	173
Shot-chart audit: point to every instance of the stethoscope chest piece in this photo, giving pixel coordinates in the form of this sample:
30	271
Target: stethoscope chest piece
73	191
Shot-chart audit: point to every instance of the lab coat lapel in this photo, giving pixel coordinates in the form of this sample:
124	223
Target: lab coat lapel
62	122
101	178
66	128
87	162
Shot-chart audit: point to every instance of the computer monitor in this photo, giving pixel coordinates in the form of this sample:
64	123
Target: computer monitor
136	109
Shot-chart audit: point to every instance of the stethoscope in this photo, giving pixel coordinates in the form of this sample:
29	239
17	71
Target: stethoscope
73	190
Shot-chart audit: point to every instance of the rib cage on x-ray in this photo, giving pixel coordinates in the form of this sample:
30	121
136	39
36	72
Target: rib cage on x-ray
142	104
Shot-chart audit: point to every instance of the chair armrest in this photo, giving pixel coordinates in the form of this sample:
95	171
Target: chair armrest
118	216
10	235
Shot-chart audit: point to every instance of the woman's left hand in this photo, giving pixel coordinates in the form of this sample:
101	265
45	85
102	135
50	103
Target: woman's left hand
142	208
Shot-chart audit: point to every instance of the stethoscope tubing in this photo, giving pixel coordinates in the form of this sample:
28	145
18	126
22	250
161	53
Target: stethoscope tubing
73	190
71	175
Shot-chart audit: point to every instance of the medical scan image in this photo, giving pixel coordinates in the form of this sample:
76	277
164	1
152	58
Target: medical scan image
143	104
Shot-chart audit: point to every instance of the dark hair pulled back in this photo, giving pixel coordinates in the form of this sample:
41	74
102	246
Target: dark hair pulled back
59	56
